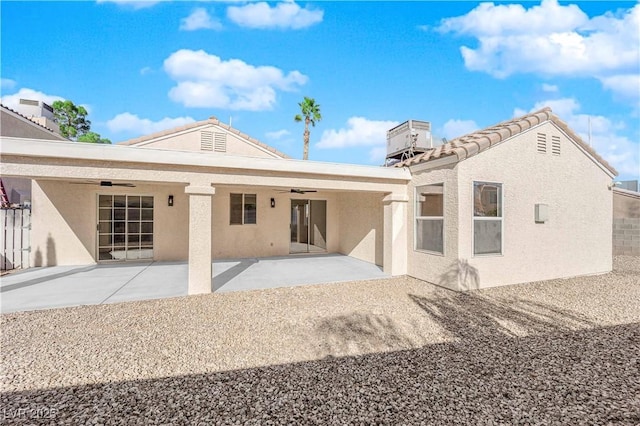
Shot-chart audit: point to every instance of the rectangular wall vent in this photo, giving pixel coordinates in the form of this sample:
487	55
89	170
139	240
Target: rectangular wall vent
220	142
29	102
206	141
555	145
542	143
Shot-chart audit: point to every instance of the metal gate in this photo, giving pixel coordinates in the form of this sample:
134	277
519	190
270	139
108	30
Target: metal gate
15	244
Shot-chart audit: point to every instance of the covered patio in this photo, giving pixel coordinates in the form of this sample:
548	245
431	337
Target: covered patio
64	286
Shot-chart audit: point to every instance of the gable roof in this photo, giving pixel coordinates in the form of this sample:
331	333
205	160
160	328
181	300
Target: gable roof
30	122
473	143
212	120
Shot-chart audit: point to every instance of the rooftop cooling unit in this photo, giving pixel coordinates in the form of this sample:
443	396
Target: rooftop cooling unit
409	138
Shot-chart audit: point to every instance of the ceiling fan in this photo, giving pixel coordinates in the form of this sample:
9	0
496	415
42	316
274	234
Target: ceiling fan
106	183
298	191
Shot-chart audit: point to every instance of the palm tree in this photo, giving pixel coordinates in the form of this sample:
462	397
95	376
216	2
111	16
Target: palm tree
310	114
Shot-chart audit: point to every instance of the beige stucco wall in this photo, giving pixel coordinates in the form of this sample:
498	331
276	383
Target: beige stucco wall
576	240
19	127
189	140
64	223
65	215
435	268
626	204
360	216
270	236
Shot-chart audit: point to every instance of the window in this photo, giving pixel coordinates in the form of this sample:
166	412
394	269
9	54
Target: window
429	233
487	218
243	209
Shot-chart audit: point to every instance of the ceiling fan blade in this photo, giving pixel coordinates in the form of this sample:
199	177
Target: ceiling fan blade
128	185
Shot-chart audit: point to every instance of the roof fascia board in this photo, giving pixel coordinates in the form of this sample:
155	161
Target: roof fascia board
131	154
170	135
428	165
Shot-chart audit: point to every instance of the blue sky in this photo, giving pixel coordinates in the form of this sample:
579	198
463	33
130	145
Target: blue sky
141	67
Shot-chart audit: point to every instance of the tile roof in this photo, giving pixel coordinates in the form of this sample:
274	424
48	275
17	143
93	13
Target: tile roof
481	140
57	135
211	120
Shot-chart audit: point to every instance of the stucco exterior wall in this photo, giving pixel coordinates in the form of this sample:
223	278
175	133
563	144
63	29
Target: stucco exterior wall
626	204
65	217
576	240
190	141
17	127
270	236
361	226
435	268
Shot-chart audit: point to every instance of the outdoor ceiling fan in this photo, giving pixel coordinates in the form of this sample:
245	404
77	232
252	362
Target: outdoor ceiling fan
299	191
107	183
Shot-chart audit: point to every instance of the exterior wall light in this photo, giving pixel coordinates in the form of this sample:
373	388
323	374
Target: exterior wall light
170	201
273	202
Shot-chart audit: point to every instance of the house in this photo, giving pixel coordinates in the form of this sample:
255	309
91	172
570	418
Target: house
495	207
521	201
33	124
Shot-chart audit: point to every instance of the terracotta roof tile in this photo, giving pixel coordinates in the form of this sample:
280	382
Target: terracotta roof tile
476	142
211	120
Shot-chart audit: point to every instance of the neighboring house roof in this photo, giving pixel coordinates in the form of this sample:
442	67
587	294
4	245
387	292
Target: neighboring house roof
481	140
30	122
212	120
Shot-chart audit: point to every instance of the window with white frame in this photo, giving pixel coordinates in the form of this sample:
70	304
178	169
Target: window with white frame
243	209
429	233
487	218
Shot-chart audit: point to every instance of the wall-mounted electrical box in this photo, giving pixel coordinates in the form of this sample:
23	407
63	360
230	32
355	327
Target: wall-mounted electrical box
542	213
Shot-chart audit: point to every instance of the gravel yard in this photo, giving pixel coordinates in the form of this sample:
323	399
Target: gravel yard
385	351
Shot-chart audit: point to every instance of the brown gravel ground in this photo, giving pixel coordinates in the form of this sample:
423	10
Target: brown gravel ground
392	351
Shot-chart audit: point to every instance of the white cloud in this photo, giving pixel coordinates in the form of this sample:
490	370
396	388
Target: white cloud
131	123
199	20
620	151
133	4
455	128
550	39
626	86
146	70
359	132
13	101
7	83
278	134
205	80
549	88
283	15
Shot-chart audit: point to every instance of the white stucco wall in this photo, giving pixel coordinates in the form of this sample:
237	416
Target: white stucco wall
361	226
577	238
435	268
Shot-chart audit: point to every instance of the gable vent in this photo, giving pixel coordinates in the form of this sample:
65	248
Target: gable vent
555	145
220	142
206	141
542	143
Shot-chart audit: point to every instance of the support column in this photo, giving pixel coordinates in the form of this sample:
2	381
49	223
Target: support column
395	234
200	270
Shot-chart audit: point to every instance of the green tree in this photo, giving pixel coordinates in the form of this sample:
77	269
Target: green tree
71	118
92	137
310	113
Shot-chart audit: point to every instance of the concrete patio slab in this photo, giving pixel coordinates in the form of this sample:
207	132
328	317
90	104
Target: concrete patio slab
63	286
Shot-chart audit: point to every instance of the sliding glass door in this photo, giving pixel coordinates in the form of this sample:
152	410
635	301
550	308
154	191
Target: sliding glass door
308	229
125	227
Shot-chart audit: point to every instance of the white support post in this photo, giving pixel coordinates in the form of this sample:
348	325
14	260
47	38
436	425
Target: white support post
395	234
200	269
